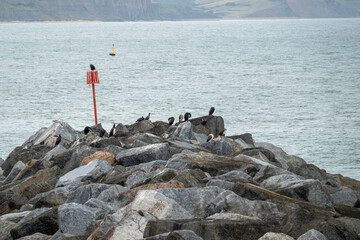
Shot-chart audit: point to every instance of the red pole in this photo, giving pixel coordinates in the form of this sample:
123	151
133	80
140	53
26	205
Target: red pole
93	88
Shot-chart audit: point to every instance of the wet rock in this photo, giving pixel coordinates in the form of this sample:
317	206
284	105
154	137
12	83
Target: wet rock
54	197
24	155
14	172
38	221
291	185
91	171
105	156
144	154
121	130
276	236
312	235
77	219
84	193
105	142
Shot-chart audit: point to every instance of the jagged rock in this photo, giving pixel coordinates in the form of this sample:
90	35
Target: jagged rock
191	177
117	175
105	156
177	146
246	137
294	186
24	155
111	194
143	137
36	236
14	172
255	160
121	130
5	227
210	163
268	171
139	178
57	150
32	167
345	196
105	142
141	127
147	167
220	183
352	224
1	162
99	130
263	154
51	198
235	176
214	124
30	141
62	158
38	221
159	128
138	143
176	235
134	156
114	150
108	208
243	144
312	235
276	236
219	147
91	171
106	228
77	219
84	193
27	207
293	162
310	171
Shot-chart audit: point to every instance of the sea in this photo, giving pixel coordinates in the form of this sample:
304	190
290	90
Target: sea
294	83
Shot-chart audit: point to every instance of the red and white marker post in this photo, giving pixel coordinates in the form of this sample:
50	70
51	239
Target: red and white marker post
92	77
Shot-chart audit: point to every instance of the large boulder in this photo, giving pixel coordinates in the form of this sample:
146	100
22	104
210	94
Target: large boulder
142	126
135	156
14	172
106	156
54	197
121	130
104	142
214	124
312	235
276	236
84	193
92	171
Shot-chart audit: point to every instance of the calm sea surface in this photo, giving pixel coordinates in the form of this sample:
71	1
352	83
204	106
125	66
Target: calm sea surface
294	83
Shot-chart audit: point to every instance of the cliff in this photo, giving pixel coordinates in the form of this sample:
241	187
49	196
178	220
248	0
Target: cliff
153	181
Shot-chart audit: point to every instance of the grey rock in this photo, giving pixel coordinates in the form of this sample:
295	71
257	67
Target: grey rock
139	178
105	142
14	217
143	137
179	146
131	226
14	172
51	198
111	194
121	130
220	183
235	176
214	124
139	143
36	236
219	147
268	171
135	156
276	236
77	219
98	130
246	137
294	186
98	204
30	141
344	196
92	171
113	149
191	177
243	143
147	167
32	167
58	149
1	162
141	127
38	221
176	235
84	193
5	227
312	235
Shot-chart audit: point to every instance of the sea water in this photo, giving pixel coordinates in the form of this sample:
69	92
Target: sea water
294	83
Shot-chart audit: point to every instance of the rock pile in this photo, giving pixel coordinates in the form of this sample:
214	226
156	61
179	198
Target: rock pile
152	181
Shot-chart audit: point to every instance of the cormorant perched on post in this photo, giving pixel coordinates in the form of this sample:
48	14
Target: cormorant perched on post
58	140
140	119
112	131
171	120
187	116
222	132
212	110
210	137
92	67
181	117
87	130
147	117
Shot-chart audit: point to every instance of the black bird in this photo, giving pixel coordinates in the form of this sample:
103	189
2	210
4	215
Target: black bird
58	140
210	137
187	116
112	131
222	132
87	130
92	67
171	120
102	133
148	117
140	119
181	117
212	110
203	121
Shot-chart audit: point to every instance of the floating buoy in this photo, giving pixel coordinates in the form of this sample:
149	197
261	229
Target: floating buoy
112	51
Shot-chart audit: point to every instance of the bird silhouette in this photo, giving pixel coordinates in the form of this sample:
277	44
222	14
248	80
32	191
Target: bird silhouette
212	110
112	131
147	117
171	120
187	116
92	67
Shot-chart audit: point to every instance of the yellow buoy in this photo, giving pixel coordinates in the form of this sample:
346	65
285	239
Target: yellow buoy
112	51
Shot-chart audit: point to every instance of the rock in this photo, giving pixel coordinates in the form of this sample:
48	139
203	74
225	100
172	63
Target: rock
246	137
112	193
44	221
98	130
159	128
58	149
177	146
77	219
24	155
147	167
36	236
138	143
105	142
106	228
30	141
105	156
62	158
1	162
263	154
131	226
32	167
176	235
121	130
345	196
312	235
92	171
14	172
243	144
292	161
114	150
117	175
214	124
291	185
351	223
235	176
52	198
206	162
57	128
141	127
276	236
84	193
135	156
219	147
268	171
143	137
5	227
106	207
191	177
220	183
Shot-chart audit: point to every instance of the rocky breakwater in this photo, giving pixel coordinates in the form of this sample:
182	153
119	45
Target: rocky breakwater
154	181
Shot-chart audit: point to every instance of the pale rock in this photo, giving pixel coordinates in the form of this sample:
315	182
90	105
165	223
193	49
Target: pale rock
131	226
57	150
312	235
345	196
276	236
14	172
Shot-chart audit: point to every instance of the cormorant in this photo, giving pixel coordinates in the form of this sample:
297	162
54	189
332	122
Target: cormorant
102	133
222	132
187	116
171	120
140	119
210	137
87	130
92	67
112	131
212	110
181	117
147	117
58	140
